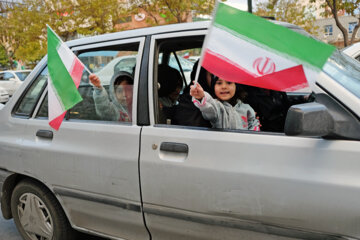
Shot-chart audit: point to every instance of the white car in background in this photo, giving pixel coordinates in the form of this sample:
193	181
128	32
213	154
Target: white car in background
124	63
11	80
353	51
4	96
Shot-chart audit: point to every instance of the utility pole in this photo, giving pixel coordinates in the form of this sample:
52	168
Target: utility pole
250	6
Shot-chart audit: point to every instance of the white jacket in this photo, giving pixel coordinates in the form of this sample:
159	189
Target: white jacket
222	114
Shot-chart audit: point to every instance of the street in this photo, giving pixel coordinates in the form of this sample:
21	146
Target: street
8	231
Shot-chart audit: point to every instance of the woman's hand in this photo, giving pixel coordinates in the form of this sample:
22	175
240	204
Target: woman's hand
95	80
197	91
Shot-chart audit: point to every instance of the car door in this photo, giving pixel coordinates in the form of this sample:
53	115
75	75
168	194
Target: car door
200	183
91	163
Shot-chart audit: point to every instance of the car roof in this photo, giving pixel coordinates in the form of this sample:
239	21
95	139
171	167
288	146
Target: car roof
202	25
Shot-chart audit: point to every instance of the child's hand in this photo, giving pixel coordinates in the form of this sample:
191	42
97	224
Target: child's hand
95	80
197	91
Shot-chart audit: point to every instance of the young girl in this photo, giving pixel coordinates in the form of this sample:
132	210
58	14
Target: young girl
117	105
227	111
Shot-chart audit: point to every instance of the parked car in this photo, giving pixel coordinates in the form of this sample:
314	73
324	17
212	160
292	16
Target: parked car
11	80
4	95
146	179
353	51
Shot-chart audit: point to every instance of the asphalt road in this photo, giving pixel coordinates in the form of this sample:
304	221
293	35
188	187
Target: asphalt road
8	231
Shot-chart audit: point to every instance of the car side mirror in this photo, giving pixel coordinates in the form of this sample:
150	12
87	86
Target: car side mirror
12	79
325	118
309	119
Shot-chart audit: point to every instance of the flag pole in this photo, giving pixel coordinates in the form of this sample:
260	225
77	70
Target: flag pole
205	44
85	67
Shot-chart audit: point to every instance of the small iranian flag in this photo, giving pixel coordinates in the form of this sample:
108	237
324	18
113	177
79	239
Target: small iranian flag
65	71
250	50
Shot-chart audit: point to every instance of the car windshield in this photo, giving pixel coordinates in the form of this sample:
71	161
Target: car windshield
345	70
22	75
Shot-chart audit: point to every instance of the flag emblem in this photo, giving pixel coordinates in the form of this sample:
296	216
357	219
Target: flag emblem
264	65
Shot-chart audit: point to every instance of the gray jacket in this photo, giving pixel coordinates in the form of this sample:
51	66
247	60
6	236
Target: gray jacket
224	115
109	110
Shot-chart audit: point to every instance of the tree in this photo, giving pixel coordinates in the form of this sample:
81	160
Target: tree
172	11
347	7
290	11
23	27
3	56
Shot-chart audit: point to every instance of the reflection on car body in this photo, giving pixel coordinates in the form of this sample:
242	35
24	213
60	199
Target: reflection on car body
144	179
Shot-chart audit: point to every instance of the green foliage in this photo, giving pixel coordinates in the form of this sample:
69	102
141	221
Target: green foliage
23	27
4	60
23	30
290	11
172	11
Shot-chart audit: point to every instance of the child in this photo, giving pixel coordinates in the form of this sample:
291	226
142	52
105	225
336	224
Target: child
120	91
227	110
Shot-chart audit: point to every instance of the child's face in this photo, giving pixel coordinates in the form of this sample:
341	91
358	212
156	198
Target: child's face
224	90
123	93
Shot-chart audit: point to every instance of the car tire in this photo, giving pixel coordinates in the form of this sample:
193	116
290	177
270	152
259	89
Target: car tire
38	214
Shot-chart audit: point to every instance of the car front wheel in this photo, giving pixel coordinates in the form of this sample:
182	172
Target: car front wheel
37	213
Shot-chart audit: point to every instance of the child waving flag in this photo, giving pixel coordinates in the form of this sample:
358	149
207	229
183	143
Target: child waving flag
248	49
65	71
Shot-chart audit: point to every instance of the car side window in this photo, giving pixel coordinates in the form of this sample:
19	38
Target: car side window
27	104
115	68
174	107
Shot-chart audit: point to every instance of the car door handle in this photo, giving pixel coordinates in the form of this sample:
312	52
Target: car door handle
174	147
45	134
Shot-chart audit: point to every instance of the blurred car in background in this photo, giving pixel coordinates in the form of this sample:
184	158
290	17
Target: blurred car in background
4	95
124	63
353	51
11	80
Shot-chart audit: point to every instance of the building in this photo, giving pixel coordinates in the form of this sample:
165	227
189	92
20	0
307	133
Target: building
330	33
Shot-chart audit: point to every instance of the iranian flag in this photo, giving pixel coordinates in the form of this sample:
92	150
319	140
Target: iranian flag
65	72
250	50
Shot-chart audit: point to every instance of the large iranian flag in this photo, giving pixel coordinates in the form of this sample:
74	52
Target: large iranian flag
65	71
247	49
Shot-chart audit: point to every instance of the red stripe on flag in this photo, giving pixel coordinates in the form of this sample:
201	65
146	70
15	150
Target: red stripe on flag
76	71
287	80
56	122
290	79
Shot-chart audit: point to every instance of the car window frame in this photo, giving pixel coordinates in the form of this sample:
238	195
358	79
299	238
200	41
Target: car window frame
152	89
40	67
153	94
89	47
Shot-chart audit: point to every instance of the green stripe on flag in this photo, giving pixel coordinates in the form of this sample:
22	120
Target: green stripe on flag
64	85
275	37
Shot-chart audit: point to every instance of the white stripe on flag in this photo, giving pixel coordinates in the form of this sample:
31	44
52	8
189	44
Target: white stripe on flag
243	52
56	108
67	56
